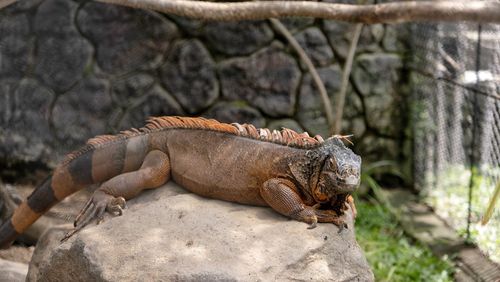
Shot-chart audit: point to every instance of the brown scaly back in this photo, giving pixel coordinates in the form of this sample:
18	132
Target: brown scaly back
285	136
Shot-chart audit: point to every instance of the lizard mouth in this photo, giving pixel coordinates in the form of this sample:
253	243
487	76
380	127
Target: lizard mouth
351	181
347	185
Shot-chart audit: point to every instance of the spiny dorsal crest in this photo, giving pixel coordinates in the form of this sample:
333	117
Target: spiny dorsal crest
285	136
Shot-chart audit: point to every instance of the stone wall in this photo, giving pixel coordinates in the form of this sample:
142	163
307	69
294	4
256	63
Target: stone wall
70	70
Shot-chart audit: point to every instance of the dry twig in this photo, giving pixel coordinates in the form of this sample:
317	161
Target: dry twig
310	66
5	3
335	129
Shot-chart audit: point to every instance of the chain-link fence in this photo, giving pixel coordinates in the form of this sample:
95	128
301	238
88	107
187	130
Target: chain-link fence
455	75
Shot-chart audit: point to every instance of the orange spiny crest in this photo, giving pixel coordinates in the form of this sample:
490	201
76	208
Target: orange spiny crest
285	136
189	122
100	139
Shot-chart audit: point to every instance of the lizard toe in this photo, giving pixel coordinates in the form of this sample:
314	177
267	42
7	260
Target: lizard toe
95	208
116	206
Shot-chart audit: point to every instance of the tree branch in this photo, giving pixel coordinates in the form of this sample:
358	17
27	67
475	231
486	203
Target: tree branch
5	3
335	129
416	11
310	66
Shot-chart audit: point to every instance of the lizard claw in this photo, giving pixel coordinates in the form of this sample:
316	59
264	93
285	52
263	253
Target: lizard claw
95	207
116	205
313	224
342	225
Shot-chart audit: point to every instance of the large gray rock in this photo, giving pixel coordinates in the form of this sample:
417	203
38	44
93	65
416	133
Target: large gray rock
230	112
55	18
15	45
285	123
22	6
60	61
296	24
127	89
316	46
24	121
12	271
90	104
340	36
267	79
126	39
61	54
155	102
311	110
375	147
238	38
377	77
170	235
189	74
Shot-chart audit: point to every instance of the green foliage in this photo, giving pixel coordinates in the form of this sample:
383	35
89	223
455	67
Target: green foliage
393	256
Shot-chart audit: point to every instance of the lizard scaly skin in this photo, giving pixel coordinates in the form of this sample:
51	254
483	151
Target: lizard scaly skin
305	178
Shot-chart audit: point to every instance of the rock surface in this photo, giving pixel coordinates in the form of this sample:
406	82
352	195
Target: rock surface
316	46
17	116
127	39
267	79
90	101
170	235
235	112
12	271
189	74
238	38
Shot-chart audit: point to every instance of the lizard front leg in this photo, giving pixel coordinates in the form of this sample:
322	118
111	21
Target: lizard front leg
111	195
283	197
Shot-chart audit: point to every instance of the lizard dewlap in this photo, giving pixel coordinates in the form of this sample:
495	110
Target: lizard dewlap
305	178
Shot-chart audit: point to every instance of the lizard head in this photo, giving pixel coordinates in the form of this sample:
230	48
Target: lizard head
340	172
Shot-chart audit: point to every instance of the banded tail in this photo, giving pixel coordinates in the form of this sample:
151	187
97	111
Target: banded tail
101	159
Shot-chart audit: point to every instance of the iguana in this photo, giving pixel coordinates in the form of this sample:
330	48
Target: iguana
305	178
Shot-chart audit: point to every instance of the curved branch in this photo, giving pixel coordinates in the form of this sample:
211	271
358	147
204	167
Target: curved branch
5	3
475	11
310	66
345	80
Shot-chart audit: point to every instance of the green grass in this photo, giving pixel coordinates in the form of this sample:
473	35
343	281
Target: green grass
392	255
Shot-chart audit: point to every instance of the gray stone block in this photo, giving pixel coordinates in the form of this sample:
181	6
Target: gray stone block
377	77
340	36
311	110
236	112
15	45
60	62
25	133
238	38
83	112
126	39
56	18
267	80
316	46
127	89
155	102
189	74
